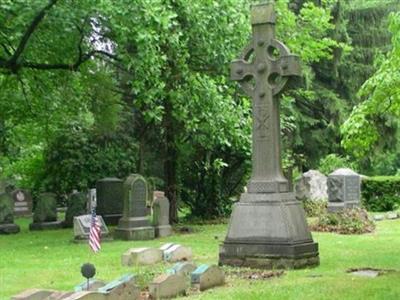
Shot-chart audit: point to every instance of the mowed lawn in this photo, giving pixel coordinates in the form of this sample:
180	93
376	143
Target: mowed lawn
50	260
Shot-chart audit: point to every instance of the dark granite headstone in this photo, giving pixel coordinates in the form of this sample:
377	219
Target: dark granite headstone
7	225
77	203
22	203
268	227
344	190
135	225
110	199
45	213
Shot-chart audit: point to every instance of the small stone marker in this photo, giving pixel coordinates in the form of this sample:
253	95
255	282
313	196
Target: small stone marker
122	288
82	227
45	213
135	225
22	203
177	252
344	190
392	215
7	225
183	268
161	216
379	217
110	199
94	285
33	294
77	203
141	256
205	277
312	185
168	286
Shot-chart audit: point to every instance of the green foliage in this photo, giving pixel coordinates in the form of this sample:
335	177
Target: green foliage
381	193
370	120
78	157
332	162
349	221
314	208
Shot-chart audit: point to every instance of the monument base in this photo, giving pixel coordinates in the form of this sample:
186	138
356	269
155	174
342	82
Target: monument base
9	228
46	225
269	231
264	256
334	207
135	234
163	230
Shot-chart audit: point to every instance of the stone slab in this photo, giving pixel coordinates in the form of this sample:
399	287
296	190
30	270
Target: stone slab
183	268
168	286
9	228
178	253
82	227
46	226
379	217
141	256
206	277
392	215
33	294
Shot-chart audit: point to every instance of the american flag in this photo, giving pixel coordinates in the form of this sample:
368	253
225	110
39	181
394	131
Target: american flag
95	232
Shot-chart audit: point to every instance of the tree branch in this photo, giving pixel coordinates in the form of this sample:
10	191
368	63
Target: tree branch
28	33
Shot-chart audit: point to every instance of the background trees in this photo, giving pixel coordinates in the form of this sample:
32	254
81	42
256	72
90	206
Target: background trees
108	88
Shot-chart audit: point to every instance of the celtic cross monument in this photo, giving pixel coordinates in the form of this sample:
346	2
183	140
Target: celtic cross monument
268	227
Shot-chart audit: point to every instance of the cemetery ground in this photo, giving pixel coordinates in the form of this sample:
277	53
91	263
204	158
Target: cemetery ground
48	259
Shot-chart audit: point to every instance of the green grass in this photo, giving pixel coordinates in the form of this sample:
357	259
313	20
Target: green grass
49	260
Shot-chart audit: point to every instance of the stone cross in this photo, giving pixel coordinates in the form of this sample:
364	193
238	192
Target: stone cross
262	71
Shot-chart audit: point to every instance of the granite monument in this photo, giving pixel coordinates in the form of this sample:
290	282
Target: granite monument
268	227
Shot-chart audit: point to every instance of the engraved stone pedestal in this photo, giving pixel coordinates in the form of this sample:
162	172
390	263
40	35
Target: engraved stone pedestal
134	225
268	227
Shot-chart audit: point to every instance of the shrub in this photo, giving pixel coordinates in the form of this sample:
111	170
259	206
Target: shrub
381	193
314	208
349	221
332	162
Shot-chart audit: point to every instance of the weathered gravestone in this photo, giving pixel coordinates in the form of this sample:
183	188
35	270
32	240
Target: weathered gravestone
77	203
92	200
183	268
141	256
110	200
168	286
268	227
312	185
45	213
205	277
7	225
22	203
134	224
344	190
82	228
175	252
161	216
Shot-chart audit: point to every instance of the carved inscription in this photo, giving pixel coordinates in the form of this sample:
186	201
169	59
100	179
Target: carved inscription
352	189
261	118
139	194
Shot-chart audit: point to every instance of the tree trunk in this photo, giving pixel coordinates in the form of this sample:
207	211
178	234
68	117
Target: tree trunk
170	162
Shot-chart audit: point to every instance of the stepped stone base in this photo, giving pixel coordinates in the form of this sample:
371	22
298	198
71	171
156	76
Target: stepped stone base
9	228
269	231
46	225
135	234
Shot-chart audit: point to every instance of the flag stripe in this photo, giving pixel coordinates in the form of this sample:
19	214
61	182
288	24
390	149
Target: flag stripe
95	233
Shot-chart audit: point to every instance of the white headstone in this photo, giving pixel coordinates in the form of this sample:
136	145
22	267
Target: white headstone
141	256
312	185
